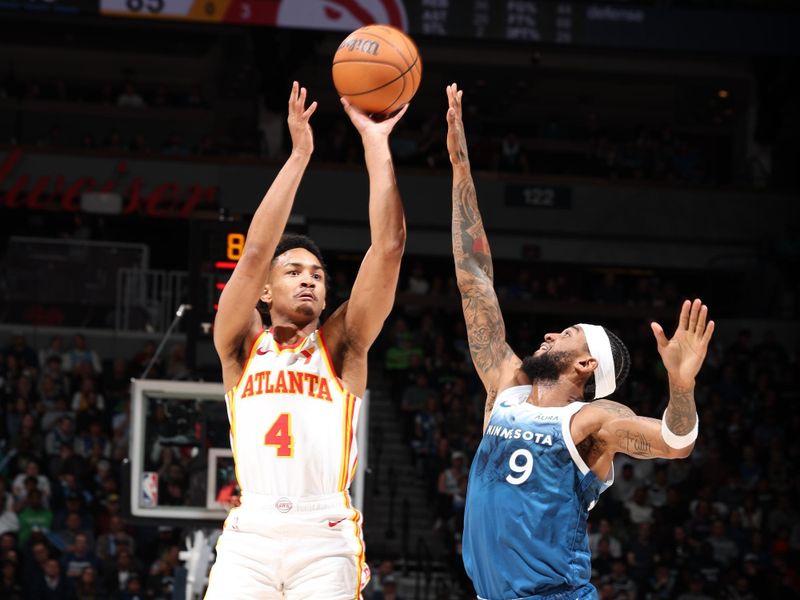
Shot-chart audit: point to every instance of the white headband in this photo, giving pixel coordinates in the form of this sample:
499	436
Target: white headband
605	379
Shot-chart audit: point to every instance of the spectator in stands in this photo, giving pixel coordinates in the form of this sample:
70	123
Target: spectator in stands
624	487
54	348
384	571
619	580
36	556
130	98
80	353
449	487
62	435
114	541
117	571
53	585
604	532
41	483
639	511
662	583
93	439
76	560
53	369
657	491
133	588
66	539
25	356
177	369
9	523
413	401
160	578
34	517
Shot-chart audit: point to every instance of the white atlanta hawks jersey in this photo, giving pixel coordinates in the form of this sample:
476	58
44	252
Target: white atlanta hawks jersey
293	425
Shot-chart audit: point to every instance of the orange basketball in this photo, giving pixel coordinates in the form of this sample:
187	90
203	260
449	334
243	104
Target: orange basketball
377	68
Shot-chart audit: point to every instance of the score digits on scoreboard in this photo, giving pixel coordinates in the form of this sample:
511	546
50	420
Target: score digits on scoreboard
192	10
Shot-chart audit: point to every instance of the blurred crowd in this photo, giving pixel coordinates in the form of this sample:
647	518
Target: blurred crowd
721	524
549	147
64	428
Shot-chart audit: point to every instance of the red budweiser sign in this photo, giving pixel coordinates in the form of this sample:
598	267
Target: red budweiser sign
62	192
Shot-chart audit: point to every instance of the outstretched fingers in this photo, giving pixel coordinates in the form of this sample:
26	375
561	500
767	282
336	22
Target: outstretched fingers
310	110
694	315
454	98
683	320
297	102
658	331
702	316
708	333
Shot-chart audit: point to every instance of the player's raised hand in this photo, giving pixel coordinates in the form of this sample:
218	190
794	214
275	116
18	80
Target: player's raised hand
298	120
456	139
369	126
683	355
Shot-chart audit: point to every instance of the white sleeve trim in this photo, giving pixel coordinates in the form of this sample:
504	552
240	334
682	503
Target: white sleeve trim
678	442
566	421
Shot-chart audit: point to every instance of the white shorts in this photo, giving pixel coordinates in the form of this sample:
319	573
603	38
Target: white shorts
290	549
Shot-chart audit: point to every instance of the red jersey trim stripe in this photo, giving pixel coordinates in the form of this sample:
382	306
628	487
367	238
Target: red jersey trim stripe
326	355
296	347
346	427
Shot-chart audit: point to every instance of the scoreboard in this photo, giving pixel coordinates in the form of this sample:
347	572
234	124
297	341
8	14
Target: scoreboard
579	23
582	23
214	249
257	12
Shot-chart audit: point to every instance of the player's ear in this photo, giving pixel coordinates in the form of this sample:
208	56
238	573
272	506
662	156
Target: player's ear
586	365
266	294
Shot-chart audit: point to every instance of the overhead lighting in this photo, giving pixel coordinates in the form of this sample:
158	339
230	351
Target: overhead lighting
723	93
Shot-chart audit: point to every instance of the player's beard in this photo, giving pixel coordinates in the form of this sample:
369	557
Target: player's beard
546	367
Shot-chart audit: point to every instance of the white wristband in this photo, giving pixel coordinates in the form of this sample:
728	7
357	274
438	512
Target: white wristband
679	441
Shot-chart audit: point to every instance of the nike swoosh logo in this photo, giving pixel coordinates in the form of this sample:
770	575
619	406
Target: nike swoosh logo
334	523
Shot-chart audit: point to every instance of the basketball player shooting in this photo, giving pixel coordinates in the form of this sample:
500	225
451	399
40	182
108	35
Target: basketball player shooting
550	433
294	389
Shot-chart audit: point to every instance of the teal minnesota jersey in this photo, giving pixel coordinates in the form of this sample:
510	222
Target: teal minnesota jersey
528	499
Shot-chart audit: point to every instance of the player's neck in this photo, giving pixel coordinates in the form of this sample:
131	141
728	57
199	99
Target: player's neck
286	332
554	393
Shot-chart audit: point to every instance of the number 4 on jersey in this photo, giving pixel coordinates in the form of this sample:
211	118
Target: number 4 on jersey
280	435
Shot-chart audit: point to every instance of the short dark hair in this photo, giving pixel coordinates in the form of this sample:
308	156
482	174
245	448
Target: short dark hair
622	365
290	241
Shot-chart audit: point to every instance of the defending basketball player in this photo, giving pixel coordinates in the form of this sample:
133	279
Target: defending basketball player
294	389
550	434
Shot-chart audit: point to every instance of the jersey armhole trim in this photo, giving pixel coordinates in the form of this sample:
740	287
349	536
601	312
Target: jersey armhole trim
326	356
508	391
571	411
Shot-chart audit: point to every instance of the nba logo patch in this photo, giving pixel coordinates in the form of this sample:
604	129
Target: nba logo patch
149	497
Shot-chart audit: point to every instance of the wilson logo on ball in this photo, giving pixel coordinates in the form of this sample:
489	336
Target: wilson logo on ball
358	45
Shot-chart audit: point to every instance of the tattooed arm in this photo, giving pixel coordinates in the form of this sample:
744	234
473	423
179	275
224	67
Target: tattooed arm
617	429
473	260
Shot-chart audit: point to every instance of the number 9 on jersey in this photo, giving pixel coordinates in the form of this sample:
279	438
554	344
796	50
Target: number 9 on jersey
521	463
